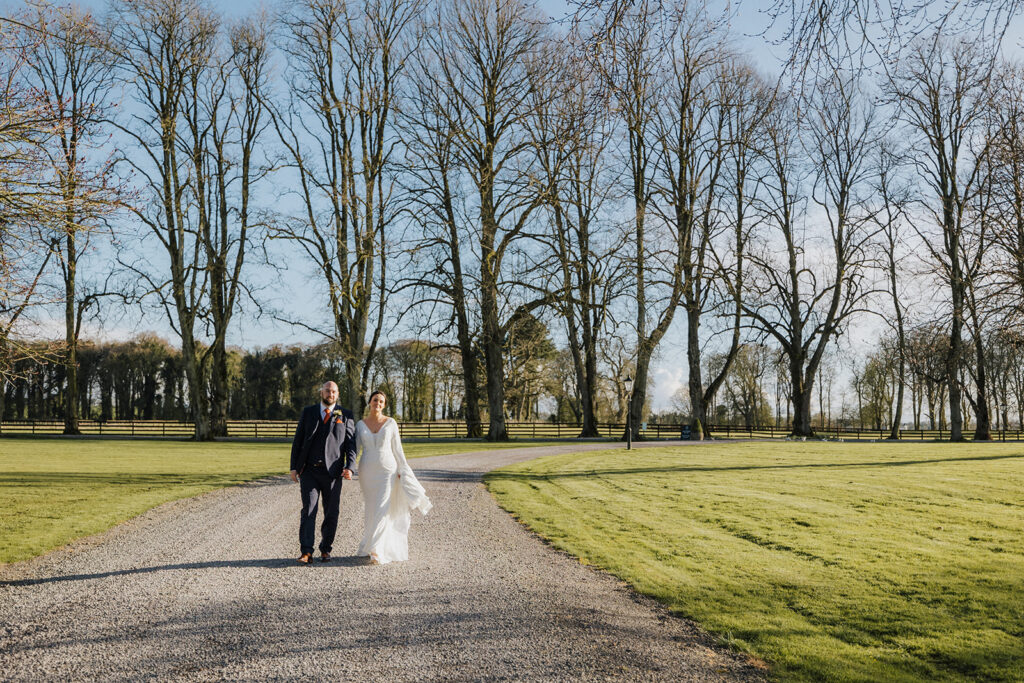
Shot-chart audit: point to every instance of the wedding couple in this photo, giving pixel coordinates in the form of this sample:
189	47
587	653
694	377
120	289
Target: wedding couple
324	450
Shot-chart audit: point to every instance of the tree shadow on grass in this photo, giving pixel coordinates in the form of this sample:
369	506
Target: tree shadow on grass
148	479
266	563
427	474
521	476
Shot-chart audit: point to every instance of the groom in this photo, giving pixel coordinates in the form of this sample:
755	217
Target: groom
323	453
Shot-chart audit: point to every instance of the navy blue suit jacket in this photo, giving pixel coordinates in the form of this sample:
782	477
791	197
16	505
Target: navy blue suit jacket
340	453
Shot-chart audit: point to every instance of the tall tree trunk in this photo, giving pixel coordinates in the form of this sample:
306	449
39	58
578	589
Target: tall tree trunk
492	340
953	362
897	416
983	428
589	398
219	391
467	352
71	405
698	405
471	383
901	345
802	395
199	403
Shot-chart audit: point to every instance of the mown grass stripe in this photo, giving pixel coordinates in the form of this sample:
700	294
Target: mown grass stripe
832	561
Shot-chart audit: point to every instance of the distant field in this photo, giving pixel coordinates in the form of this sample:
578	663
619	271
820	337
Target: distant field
53	491
839	562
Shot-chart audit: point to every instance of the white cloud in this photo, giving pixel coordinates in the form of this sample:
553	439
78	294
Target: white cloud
667	381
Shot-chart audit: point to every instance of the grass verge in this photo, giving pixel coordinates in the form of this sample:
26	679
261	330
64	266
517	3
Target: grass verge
53	491
840	562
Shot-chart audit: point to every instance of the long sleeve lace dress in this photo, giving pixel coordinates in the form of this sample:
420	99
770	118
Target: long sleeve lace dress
388	497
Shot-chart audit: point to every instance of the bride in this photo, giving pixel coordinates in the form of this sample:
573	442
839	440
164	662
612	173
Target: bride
390	489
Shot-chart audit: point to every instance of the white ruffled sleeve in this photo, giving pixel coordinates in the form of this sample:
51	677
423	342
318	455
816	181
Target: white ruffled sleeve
414	493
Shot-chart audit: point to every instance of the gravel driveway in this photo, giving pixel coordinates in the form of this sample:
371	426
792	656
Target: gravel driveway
208	589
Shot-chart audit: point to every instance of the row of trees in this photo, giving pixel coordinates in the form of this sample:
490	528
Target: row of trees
467	168
863	390
144	378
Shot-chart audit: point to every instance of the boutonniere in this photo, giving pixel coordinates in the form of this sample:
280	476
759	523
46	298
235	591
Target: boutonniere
337	416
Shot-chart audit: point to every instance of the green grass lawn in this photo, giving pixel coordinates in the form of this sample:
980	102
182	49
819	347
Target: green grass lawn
846	562
53	491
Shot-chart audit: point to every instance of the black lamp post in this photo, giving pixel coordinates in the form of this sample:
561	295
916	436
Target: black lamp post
629	412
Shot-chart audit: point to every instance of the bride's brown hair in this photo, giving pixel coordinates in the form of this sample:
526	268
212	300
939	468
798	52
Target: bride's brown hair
374	393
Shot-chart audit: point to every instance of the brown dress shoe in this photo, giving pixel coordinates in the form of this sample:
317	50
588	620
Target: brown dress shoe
325	557
306	558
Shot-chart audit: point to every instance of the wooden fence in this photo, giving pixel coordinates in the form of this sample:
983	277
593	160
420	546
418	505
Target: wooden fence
284	429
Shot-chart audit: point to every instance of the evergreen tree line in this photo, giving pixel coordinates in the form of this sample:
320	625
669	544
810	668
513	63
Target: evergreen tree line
143	379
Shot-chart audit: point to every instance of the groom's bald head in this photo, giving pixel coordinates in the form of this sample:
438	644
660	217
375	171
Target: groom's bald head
329	393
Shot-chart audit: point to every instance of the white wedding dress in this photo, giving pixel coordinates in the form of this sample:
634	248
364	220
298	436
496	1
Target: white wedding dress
388	497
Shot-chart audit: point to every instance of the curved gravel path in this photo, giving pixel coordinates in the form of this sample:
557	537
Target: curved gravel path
208	589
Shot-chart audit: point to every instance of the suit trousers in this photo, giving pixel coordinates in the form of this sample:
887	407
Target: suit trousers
316	484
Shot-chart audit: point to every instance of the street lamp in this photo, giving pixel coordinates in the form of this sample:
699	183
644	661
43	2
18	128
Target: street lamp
629	405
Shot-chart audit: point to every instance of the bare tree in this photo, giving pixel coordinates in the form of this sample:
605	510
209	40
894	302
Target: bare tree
634	71
879	28
894	198
171	61
744	385
825	380
73	72
337	128
805	299
944	92
619	359
437	206
28	198
571	130
235	119
482	55
705	136
783	392
812	29
876	387
1007	168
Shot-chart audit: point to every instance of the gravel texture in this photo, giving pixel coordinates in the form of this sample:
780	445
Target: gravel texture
208	589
